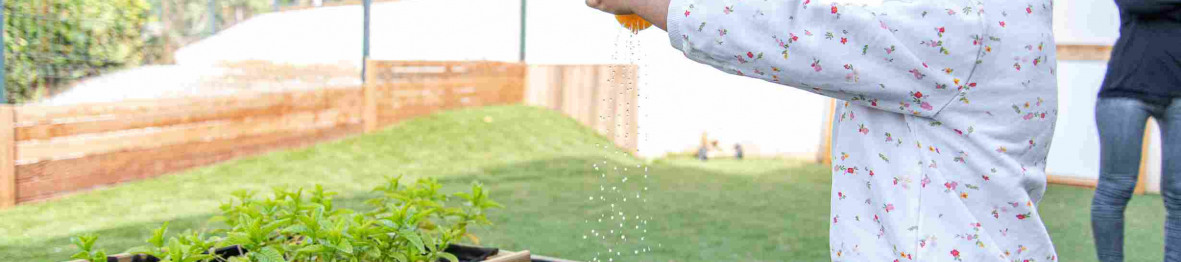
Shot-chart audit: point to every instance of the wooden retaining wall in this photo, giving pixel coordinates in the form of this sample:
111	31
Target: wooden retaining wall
603	97
48	151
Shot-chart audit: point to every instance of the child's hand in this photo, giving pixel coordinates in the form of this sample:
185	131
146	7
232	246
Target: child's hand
619	7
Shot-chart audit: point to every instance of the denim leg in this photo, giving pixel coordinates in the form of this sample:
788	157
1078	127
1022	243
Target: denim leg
1121	131
1170	124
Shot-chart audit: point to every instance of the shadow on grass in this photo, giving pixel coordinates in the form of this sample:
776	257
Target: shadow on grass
697	213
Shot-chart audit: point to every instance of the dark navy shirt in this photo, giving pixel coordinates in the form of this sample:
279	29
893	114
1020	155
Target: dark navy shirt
1146	60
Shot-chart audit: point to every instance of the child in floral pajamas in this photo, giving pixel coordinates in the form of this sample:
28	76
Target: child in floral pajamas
948	107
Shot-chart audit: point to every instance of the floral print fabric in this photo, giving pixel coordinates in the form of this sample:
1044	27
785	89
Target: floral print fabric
940	142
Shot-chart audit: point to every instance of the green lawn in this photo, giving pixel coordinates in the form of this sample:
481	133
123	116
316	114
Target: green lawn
540	165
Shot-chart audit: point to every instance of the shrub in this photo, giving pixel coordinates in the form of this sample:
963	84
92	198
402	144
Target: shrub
406	224
48	43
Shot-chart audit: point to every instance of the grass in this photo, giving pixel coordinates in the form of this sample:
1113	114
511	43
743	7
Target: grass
541	166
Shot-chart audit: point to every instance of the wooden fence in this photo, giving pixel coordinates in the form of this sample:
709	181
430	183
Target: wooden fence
47	151
603	97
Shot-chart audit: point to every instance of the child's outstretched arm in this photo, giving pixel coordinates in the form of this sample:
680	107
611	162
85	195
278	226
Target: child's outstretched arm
911	57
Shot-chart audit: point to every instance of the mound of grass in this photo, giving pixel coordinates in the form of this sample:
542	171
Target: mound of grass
539	165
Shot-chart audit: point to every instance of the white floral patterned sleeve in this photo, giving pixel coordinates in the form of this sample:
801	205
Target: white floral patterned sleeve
939	146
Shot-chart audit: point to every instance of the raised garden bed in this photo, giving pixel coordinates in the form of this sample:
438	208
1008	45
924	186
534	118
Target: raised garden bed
464	252
414	223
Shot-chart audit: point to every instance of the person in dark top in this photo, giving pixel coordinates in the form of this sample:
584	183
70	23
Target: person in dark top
1143	79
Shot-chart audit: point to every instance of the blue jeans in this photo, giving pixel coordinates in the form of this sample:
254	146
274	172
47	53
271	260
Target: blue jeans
1121	128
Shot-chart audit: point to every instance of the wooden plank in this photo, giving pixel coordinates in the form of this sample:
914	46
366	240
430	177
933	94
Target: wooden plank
78	146
825	155
1084	52
509	256
370	96
1072	181
49	179
37	114
1142	177
7	157
226	109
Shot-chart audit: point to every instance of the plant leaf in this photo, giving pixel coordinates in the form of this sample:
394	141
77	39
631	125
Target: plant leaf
310	249
414	240
448	257
268	254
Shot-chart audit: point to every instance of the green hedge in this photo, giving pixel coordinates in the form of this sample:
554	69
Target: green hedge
48	43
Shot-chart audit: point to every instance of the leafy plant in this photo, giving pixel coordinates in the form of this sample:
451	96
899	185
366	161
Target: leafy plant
86	248
49	43
407	224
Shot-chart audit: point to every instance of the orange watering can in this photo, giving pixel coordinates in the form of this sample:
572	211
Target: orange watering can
634	23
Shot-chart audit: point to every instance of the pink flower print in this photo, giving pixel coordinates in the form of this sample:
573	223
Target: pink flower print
806	2
950	11
686	13
926	180
955	254
951	185
958	132
1017	66
876	219
948	70
816	65
1036	60
1028	116
844	156
916	73
888	207
793	37
1029	9
741	59
850	170
841	195
728	10
941	30
722	32
985	177
1023	216
926	106
883	24
889	137
750	55
844	40
863	130
1002	23
890	50
834	219
874	102
918	95
925	65
871	173
1001	149
834	8
807	33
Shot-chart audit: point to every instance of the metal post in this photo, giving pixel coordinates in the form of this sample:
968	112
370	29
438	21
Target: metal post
3	70
522	52
212	17
365	43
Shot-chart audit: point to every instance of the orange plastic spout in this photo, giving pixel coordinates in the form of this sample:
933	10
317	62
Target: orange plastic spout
634	23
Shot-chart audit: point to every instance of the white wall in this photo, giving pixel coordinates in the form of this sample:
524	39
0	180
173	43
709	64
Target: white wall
1076	141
